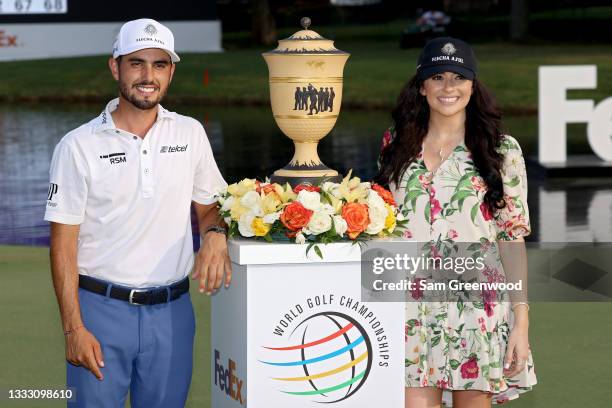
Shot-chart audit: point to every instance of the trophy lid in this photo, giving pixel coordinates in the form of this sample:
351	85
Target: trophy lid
306	42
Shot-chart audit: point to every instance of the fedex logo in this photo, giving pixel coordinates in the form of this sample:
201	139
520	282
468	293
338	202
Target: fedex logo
7	40
226	379
556	111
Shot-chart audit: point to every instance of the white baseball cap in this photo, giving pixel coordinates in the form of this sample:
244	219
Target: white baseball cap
144	33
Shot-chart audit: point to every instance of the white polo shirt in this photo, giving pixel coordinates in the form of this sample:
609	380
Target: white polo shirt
132	196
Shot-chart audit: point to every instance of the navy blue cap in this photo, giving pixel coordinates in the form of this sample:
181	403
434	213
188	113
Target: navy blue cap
446	54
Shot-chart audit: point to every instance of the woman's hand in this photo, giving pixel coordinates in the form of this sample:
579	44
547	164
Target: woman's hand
517	352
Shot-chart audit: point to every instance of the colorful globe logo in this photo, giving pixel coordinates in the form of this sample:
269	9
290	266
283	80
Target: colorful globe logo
329	361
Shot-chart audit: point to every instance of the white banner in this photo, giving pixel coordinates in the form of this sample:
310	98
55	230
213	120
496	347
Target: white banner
53	40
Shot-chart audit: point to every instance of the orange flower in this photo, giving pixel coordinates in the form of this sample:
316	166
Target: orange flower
267	189
356	217
295	216
384	193
306	187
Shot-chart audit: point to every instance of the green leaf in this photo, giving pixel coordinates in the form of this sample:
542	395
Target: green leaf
310	245
325	196
450	211
474	211
435	341
454	364
318	251
468	385
514	182
441	316
479	305
461	195
460	307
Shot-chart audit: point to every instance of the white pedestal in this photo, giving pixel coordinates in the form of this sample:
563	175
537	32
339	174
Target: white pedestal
291	331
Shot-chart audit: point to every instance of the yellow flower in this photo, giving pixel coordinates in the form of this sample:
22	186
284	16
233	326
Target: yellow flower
241	188
354	182
285	194
269	203
351	190
237	210
335	203
259	227
390	220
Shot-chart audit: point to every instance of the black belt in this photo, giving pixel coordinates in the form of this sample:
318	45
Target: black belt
136	296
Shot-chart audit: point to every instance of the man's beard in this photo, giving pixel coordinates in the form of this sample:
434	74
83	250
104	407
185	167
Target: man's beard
144	104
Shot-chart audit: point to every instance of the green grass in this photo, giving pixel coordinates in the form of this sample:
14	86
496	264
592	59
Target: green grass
570	341
31	339
374	74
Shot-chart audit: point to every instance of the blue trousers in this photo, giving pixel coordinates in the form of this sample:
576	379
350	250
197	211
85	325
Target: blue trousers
147	350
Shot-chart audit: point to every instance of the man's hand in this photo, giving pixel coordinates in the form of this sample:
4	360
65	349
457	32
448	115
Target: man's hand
82	349
212	260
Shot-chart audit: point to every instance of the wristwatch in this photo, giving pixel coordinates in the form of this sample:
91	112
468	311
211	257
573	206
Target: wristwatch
215	228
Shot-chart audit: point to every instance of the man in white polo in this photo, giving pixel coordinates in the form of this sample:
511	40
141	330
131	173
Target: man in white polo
121	240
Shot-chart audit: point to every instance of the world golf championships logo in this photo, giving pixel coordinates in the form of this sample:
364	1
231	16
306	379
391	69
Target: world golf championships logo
331	361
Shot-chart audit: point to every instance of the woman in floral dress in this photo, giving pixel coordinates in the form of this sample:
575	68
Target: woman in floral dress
460	179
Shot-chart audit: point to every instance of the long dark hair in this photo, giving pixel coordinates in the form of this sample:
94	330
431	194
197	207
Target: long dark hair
483	135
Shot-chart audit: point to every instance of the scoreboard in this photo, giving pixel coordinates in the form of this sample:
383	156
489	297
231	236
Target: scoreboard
34	29
33	6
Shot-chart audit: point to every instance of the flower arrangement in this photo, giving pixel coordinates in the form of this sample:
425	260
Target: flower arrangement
332	212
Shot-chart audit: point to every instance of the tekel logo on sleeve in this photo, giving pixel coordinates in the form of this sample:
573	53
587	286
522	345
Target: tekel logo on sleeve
226	379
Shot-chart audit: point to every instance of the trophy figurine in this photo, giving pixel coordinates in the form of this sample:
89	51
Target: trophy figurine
306	72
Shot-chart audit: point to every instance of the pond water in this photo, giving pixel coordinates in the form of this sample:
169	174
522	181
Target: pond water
247	143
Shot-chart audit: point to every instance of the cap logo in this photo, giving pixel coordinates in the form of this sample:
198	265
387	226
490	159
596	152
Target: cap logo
449	49
150	29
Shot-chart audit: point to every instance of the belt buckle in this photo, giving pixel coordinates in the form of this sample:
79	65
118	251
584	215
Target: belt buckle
131	298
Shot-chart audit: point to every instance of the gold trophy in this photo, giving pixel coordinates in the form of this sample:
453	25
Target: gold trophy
306	72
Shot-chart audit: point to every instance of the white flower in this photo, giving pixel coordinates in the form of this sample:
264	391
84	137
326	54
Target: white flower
272	217
366	185
221	191
310	199
300	238
340	225
228	220
252	201
377	213
327	209
319	223
227	205
375	200
245	225
331	188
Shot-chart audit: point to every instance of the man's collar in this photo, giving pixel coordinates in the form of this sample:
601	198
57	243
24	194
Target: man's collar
105	120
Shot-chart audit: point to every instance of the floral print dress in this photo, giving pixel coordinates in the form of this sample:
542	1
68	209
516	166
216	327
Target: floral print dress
461	345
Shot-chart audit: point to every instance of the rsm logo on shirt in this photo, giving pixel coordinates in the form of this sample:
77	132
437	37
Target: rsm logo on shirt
172	149
115	158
